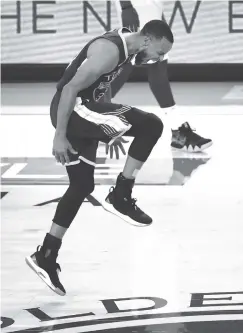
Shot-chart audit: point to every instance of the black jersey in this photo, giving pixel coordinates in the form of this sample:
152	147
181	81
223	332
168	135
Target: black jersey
101	85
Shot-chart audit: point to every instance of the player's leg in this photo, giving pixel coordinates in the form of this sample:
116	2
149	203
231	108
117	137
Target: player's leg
160	85
146	130
107	121
183	138
158	79
80	171
157	74
44	260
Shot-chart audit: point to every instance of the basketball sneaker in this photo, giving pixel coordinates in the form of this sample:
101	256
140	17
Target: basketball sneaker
120	203
185	139
46	267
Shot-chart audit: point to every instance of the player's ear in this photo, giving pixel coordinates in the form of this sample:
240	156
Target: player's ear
147	40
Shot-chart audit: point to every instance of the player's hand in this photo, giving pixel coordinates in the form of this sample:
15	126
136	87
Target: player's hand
130	18
60	149
116	146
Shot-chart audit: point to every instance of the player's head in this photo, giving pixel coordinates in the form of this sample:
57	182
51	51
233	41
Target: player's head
157	40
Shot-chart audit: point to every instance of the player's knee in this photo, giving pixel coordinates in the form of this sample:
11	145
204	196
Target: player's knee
88	186
82	187
154	125
81	179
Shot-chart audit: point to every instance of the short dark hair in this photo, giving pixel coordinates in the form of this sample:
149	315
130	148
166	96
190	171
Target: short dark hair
158	29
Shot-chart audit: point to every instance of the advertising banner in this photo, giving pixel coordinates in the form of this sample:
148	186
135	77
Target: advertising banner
53	32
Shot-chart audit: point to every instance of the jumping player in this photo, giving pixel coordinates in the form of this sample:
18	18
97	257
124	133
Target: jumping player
82	118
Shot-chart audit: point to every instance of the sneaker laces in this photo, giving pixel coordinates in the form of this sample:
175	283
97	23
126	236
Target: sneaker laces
189	130
131	201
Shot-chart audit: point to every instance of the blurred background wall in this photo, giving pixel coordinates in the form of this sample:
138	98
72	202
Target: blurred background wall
39	38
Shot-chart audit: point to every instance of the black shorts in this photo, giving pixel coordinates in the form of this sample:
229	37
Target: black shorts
98	121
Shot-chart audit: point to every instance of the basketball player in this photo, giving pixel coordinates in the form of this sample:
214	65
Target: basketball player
136	13
82	118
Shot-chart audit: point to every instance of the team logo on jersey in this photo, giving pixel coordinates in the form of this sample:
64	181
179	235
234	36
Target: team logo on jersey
104	85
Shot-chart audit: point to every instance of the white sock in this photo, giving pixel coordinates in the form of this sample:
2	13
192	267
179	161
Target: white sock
172	117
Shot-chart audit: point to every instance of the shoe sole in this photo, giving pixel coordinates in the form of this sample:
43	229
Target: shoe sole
43	275
196	149
109	207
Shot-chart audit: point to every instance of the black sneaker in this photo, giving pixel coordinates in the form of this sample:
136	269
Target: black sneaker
184	138
120	203
47	269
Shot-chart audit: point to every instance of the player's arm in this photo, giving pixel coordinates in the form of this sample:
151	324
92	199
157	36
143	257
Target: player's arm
98	63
